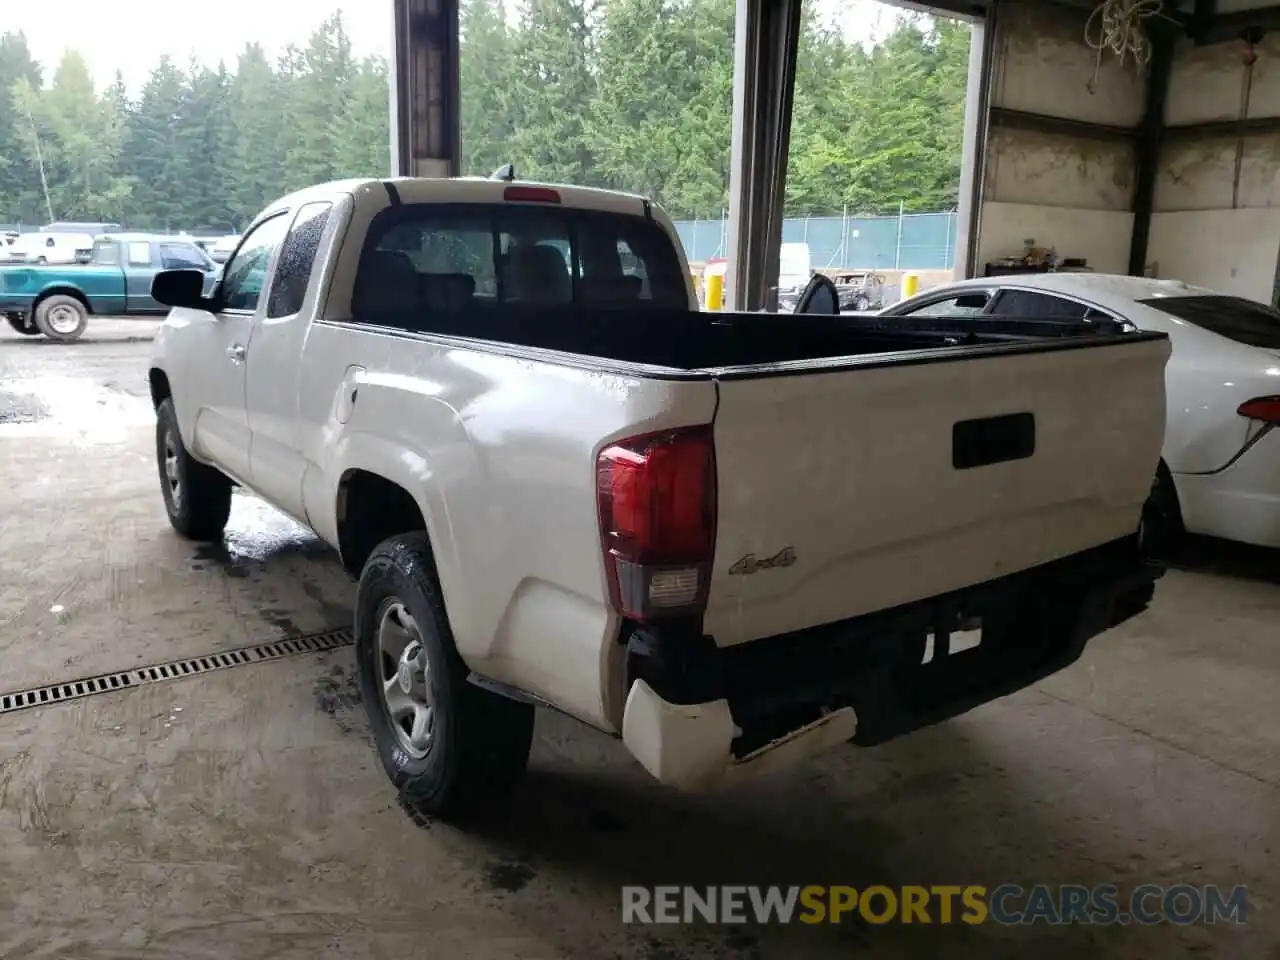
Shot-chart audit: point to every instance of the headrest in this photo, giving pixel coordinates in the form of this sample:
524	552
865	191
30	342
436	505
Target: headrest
538	272
385	283
447	292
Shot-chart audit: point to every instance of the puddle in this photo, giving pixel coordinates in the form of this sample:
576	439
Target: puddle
70	407
17	408
256	534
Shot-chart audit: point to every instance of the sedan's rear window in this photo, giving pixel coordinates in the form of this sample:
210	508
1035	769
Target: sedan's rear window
1238	319
449	259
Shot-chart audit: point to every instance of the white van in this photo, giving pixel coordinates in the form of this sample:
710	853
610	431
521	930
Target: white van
223	247
794	272
51	248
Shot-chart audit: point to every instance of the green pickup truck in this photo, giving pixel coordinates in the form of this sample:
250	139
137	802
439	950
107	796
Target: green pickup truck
56	301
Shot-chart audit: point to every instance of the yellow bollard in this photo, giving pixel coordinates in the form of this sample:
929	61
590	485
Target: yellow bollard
910	285
715	291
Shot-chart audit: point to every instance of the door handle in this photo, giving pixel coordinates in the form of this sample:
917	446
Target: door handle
236	352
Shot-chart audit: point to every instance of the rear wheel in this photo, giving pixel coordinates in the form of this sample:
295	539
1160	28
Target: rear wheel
19	323
61	317
861	303
447	745
197	497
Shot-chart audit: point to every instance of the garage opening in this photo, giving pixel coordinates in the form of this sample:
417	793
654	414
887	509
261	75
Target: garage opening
193	130
874	176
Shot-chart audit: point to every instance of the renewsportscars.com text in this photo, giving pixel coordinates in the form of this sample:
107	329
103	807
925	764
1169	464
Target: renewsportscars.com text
1007	904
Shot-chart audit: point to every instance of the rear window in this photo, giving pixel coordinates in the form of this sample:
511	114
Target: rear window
1238	319
179	256
426	260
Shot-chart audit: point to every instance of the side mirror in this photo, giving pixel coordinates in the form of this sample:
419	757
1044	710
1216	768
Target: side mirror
820	296
972	301
180	288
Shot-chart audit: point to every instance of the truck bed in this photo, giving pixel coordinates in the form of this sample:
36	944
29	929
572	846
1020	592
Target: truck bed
726	343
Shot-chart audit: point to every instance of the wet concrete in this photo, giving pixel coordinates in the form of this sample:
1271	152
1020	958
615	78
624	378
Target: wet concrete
242	814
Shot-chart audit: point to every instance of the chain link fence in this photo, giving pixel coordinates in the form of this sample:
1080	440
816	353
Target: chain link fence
915	241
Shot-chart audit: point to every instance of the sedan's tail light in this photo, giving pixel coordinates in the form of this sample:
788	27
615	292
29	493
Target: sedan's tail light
657	503
1266	409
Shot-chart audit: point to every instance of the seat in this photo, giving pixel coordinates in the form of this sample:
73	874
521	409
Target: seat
386	282
611	291
537	274
446	292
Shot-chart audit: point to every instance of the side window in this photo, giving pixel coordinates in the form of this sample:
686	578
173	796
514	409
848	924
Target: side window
245	273
178	256
106	253
140	253
297	258
1031	305
968	304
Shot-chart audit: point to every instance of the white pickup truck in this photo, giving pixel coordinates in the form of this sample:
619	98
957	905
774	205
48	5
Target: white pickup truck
731	540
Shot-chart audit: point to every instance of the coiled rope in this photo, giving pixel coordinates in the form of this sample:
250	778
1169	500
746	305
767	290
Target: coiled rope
1118	27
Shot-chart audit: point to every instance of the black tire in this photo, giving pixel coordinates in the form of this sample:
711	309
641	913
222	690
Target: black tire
53	313
479	744
19	323
197	497
861	304
1161	532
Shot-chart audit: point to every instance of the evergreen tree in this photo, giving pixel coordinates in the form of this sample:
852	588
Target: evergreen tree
156	152
628	94
257	115
554	87
487	68
21	197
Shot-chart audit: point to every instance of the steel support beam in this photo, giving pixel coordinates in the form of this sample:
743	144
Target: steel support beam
766	40
424	89
1201	19
1150	134
977	123
1211	129
1229	27
1044	123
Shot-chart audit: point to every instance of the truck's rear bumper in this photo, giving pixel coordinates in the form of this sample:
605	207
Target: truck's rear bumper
697	715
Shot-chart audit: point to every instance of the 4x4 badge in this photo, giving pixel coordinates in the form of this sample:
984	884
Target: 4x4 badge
749	564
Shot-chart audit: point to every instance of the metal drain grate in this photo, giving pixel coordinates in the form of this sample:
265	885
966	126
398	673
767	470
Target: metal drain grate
174	670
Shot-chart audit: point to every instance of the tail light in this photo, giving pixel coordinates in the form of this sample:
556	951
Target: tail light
657	501
1266	409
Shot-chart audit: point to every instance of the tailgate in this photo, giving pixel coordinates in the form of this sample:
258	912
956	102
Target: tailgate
842	492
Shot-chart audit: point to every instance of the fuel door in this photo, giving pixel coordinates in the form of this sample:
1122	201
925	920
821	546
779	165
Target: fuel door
349	394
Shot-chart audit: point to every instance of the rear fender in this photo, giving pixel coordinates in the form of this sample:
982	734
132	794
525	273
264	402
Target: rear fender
412	471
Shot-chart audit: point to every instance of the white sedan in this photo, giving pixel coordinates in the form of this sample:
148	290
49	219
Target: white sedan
1220	470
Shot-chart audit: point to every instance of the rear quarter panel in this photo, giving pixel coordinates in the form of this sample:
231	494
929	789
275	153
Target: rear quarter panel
1208	377
498	449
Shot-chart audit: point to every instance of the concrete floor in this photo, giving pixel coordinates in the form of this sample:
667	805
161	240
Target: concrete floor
242	813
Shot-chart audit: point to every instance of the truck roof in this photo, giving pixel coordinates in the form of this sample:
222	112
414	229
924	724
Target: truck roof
136	236
379	193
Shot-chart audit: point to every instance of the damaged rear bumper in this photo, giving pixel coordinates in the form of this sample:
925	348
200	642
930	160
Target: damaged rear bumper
697	715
